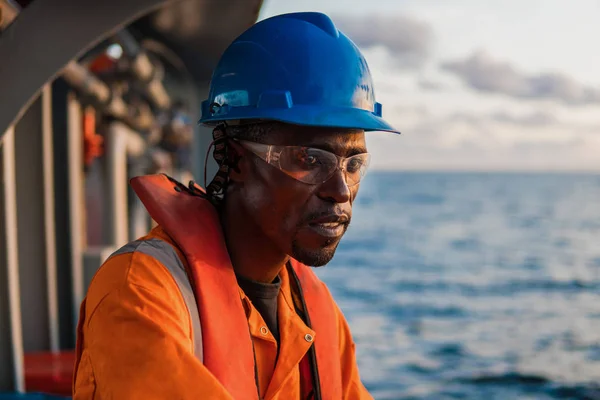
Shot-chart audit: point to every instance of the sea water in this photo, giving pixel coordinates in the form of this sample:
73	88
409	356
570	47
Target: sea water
473	285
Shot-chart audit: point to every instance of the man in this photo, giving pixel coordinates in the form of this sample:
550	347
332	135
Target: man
217	302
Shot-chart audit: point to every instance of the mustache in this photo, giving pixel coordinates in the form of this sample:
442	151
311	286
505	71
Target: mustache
338	212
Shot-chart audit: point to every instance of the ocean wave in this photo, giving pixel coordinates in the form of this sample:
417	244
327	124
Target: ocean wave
497	289
535	384
511	378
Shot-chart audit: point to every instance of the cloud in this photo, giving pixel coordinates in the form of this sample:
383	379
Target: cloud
535	119
483	73
498	140
430	85
527	120
407	40
412	112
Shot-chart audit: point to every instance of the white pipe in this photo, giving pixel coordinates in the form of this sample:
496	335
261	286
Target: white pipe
76	200
49	221
12	255
116	184
144	70
79	77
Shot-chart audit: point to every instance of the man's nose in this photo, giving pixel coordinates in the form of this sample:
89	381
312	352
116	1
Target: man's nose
335	189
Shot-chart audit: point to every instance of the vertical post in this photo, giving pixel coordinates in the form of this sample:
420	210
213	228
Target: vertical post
139	219
49	216
11	339
35	225
76	199
119	141
116	184
62	234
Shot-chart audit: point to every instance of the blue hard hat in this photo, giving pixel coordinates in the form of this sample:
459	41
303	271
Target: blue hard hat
296	68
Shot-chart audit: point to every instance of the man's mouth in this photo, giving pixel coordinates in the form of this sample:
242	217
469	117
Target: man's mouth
332	226
328	229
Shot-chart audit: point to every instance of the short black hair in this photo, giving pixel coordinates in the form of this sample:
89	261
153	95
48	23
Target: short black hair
254	131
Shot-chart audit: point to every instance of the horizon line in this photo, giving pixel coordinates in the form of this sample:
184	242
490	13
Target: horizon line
488	171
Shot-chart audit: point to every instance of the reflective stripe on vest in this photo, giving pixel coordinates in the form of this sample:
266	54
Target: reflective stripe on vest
165	254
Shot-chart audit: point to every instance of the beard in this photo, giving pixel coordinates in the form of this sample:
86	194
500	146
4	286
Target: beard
316	257
312	257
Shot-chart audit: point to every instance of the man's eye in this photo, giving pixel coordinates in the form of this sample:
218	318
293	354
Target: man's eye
307	160
311	160
354	165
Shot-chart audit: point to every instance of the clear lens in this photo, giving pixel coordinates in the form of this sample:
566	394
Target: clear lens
356	167
307	164
310	165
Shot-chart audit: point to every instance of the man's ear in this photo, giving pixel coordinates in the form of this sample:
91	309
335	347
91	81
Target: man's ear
238	161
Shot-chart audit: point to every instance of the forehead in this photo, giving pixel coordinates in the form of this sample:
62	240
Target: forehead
336	140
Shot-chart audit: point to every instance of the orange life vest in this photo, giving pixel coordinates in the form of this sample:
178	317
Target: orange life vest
193	224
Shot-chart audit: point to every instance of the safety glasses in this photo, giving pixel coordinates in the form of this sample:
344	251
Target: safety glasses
310	165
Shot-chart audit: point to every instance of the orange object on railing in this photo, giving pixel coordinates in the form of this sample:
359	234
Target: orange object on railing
92	142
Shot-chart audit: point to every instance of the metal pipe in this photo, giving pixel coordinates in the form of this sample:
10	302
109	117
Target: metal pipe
87	83
144	70
82	79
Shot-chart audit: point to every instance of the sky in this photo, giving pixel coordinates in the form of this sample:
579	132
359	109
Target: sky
477	85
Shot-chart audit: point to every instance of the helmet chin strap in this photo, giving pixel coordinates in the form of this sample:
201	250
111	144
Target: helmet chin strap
217	187
206	160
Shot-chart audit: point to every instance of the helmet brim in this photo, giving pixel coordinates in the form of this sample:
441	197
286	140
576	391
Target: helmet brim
341	117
